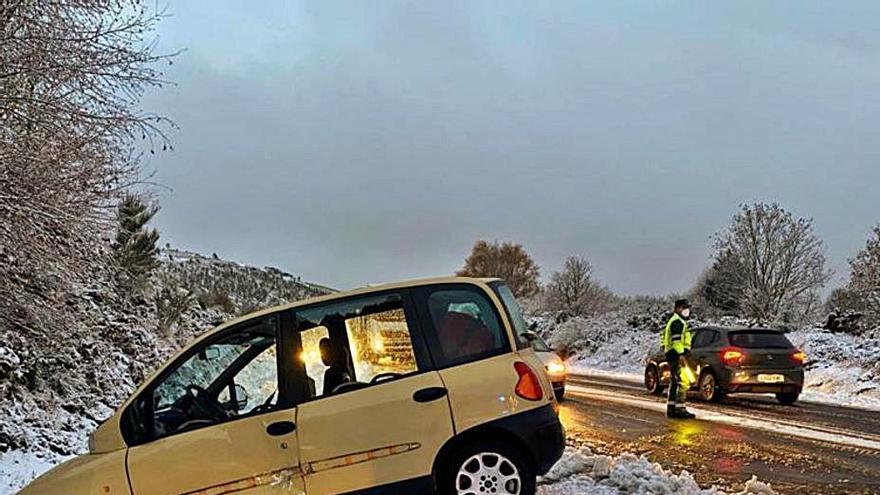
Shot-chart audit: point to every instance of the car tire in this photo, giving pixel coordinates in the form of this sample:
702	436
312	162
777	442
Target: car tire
652	380
559	393
500	467
787	398
708	387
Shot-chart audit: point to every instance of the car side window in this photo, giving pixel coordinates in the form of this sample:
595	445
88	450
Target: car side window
701	339
232	376
714	340
356	343
464	325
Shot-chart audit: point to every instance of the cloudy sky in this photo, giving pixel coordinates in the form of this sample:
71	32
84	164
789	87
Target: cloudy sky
359	142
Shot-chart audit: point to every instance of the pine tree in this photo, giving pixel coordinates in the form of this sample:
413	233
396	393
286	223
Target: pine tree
136	246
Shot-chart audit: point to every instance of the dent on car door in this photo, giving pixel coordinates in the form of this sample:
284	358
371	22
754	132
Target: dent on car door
213	423
385	415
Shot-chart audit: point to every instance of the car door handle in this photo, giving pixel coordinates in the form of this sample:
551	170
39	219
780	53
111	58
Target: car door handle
429	394
281	428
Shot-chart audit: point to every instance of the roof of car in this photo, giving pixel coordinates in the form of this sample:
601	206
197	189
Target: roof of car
367	289
729	329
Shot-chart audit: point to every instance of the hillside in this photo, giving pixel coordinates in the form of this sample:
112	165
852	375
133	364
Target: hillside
57	386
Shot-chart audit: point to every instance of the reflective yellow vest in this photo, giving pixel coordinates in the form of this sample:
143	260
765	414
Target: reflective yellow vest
677	342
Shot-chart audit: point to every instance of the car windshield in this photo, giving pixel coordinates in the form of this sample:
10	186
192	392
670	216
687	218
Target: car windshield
767	339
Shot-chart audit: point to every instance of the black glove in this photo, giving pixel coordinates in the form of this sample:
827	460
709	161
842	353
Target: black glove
686	352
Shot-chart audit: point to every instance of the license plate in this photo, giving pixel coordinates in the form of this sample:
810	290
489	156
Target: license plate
771	378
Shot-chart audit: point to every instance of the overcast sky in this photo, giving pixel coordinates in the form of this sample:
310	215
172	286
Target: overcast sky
359	142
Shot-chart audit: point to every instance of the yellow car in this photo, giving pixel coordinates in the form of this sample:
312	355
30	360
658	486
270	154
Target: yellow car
414	387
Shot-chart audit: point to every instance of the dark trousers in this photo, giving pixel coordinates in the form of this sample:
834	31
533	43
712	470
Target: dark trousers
677	392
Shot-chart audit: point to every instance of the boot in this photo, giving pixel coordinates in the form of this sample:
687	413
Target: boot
685	414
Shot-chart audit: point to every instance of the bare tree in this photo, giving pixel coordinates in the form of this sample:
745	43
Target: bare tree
775	259
863	288
507	261
574	291
71	75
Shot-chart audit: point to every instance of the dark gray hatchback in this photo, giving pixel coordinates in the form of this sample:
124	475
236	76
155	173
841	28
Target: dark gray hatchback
731	360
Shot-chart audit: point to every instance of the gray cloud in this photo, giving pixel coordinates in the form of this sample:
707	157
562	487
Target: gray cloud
359	142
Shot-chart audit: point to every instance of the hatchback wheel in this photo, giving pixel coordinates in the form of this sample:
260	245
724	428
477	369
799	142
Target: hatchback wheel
709	391
787	398
488	468
652	381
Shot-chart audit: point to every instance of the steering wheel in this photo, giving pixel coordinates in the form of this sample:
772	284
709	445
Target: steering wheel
265	406
385	376
201	405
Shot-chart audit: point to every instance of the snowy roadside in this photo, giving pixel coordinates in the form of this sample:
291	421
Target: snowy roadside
841	369
580	472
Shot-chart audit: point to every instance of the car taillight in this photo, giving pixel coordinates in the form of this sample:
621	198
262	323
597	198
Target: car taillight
528	386
732	356
799	357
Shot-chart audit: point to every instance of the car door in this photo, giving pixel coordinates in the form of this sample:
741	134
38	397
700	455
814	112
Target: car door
385	415
474	351
216	420
699	355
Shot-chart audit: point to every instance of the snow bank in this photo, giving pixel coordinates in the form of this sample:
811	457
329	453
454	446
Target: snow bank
580	472
841	368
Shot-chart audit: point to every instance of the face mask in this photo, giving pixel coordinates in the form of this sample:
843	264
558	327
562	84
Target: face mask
686	313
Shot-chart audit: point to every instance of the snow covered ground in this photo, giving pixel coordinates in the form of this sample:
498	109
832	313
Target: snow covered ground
580	472
841	369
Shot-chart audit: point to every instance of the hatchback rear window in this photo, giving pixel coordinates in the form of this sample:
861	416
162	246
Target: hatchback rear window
767	339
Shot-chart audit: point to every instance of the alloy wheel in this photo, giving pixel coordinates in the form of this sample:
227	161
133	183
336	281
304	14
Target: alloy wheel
488	473
707	387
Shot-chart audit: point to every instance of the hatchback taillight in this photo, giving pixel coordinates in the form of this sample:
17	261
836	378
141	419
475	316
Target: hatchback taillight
732	356
798	357
529	386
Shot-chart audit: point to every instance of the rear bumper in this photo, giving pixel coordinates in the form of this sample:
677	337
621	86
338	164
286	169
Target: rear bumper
749	380
542	433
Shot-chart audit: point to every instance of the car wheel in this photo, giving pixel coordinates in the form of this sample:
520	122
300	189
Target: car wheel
709	390
652	381
787	399
488	467
559	393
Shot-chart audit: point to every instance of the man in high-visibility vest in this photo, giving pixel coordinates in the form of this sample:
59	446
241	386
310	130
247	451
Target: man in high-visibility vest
676	340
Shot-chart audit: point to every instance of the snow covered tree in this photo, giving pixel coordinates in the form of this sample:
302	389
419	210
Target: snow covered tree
574	291
720	290
863	289
507	261
776	260
71	76
136	246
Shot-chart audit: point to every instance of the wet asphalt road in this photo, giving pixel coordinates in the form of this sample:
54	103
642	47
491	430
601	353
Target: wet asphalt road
805	448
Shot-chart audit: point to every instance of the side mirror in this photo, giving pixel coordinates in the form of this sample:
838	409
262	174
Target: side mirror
529	336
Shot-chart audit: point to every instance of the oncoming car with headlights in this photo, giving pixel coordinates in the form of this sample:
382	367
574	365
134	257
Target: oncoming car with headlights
414	387
553	364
